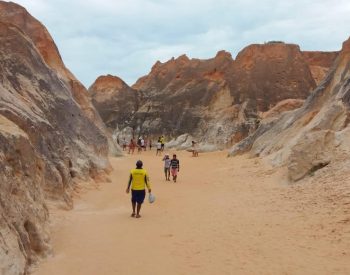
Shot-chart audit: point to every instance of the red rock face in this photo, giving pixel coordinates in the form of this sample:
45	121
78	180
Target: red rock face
268	73
319	63
114	99
175	72
109	82
216	100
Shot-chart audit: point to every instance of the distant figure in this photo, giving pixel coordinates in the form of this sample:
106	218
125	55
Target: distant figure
145	145
162	142
131	146
159	147
142	144
167	162
138	181
139	145
175	167
124	144
194	149
150	144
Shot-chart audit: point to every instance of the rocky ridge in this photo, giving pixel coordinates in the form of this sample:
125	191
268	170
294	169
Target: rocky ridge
217	102
314	138
114	99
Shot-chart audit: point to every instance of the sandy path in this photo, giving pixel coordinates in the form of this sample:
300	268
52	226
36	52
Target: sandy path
224	216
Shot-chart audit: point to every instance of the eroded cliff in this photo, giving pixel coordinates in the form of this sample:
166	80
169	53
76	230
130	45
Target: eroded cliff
313	137
217	102
48	142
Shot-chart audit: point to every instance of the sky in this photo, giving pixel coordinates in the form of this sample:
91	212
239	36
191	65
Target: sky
126	37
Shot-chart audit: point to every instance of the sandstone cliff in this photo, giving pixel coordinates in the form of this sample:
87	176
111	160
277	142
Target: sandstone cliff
47	142
216	101
314	136
17	15
319	63
115	100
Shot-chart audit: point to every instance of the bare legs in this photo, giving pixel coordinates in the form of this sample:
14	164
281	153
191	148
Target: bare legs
167	174
133	209
137	207
138	210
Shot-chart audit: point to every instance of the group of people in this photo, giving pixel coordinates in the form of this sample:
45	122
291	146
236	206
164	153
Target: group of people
139	181
171	165
141	144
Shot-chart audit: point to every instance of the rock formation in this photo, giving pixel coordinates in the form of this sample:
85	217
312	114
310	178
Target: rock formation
319	63
312	137
216	101
15	14
115	100
48	138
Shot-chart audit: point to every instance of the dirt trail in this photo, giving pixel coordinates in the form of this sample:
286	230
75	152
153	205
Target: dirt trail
224	216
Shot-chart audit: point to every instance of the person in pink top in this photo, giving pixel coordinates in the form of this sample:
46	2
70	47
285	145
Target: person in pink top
175	167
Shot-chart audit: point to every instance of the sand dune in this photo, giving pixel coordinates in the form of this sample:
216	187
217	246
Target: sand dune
223	216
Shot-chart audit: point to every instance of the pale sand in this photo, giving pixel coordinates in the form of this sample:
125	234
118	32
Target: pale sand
224	216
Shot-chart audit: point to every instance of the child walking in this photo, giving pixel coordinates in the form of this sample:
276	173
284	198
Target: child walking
167	163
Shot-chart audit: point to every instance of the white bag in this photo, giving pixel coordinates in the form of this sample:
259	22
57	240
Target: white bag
151	198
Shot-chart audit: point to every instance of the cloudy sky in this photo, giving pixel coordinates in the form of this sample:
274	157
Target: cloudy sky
126	37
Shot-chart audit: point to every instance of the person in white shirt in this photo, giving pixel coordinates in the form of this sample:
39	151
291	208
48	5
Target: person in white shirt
167	163
159	147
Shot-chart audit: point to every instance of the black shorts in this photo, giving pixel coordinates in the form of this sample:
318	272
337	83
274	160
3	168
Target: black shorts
138	196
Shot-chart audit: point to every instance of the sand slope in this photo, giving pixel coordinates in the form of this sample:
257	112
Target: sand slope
224	216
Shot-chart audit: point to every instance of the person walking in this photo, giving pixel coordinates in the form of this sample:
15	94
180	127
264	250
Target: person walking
167	162
145	144
131	146
138	181
142	144
175	167
194	149
162	142
159	147
139	145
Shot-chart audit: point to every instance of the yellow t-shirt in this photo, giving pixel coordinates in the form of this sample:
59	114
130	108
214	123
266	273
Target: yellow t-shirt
139	179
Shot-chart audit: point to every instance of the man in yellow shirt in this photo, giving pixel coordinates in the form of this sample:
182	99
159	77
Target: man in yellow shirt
138	182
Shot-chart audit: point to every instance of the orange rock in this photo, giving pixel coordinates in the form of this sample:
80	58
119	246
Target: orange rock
319	63
212	100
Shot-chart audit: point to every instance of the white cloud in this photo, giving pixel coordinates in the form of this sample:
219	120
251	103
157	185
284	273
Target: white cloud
126	38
